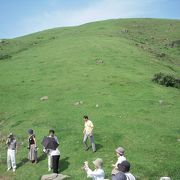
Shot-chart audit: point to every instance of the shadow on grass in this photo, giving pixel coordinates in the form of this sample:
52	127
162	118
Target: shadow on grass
23	161
42	157
64	163
98	146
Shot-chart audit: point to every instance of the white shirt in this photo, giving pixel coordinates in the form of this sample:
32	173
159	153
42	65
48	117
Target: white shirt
120	160
88	127
130	176
54	152
97	174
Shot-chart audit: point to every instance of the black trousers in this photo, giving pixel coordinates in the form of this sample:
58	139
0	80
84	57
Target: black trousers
55	163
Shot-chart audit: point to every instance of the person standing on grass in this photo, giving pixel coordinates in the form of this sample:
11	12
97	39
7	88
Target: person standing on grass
88	133
32	146
120	154
51	134
11	152
98	173
125	167
55	155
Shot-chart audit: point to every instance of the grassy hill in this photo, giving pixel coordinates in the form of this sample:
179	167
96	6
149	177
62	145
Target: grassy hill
109	63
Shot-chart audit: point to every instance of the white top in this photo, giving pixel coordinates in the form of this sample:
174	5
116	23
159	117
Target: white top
97	174
88	127
120	160
130	176
54	152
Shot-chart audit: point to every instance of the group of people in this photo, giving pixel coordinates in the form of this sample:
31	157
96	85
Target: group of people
120	170
53	154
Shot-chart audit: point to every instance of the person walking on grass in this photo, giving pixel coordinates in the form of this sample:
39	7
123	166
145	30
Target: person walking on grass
120	154
32	146
98	173
11	152
51	134
88	133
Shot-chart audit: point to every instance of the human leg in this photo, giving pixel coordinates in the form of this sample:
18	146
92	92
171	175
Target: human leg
85	141
92	142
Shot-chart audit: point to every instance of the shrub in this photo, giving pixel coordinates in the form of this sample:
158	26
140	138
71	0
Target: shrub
5	56
166	80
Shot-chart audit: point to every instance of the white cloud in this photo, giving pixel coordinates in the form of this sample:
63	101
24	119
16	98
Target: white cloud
103	9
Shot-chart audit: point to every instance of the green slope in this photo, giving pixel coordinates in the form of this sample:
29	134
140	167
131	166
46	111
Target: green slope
109	63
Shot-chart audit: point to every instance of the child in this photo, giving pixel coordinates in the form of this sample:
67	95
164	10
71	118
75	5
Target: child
11	152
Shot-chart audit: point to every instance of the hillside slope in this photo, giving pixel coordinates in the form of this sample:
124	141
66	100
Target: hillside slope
109	63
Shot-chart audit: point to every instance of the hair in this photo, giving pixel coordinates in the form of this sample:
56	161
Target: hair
85	117
51	131
124	166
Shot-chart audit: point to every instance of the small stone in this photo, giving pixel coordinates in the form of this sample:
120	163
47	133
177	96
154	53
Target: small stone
80	102
97	105
44	98
76	103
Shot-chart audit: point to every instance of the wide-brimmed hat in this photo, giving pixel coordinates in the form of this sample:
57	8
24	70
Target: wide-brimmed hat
30	131
98	162
120	150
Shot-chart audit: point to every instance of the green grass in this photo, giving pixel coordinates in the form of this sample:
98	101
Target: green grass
61	64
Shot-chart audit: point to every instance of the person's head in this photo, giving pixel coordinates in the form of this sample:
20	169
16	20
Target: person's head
124	166
120	151
98	163
85	118
30	132
51	132
11	136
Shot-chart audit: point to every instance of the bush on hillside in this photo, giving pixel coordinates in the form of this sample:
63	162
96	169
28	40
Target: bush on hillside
166	80
5	56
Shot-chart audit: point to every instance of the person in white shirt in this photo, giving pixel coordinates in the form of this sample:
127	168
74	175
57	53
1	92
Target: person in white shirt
51	134
11	152
88	133
98	173
55	154
120	154
125	167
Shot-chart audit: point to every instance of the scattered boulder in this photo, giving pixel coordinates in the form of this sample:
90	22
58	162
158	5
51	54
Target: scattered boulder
165	178
78	103
99	61
44	98
54	176
124	30
97	105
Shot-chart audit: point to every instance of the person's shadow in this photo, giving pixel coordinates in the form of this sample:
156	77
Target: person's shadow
64	163
23	161
42	157
98	146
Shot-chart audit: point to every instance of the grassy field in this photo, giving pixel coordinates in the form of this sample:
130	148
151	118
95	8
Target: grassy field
109	63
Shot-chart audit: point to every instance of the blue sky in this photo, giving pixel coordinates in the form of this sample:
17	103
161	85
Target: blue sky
21	17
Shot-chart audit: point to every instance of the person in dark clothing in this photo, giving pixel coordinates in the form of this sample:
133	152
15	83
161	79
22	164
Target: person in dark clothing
32	146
